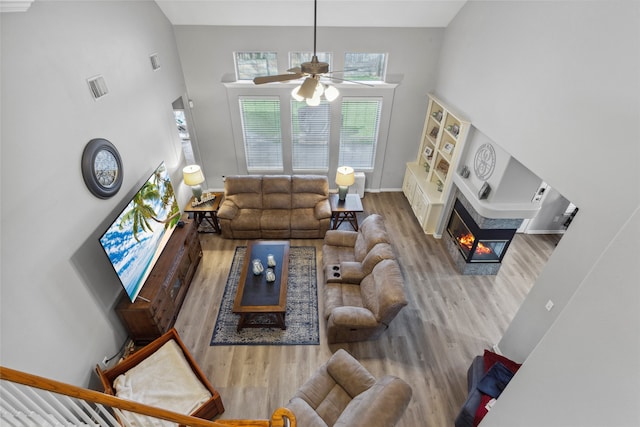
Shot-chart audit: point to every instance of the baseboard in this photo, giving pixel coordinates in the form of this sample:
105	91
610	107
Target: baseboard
545	232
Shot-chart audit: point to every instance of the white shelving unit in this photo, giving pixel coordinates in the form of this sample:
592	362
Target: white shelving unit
428	180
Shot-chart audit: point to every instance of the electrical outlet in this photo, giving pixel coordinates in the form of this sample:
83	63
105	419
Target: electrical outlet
104	362
549	305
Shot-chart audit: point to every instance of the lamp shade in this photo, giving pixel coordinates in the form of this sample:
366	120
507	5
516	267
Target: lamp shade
345	176
193	175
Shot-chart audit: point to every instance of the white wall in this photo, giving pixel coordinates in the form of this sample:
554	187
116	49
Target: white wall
556	84
58	289
207	56
510	181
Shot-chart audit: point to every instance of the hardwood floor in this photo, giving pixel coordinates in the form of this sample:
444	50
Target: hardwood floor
450	319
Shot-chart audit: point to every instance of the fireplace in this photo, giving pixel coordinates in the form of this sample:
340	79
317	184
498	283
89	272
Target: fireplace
478	244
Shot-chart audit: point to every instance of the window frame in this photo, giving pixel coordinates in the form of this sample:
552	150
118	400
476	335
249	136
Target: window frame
283	90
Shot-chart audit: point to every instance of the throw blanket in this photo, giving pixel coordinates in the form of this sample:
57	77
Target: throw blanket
164	380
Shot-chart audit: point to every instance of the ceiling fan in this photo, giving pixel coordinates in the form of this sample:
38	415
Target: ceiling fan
311	89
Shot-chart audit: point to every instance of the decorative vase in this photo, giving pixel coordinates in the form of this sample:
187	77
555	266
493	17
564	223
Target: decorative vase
271	276
257	267
271	260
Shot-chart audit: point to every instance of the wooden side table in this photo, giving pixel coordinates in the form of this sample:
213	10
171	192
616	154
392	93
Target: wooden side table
345	210
207	211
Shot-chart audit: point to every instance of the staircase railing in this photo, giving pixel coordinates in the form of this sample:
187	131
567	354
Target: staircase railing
30	400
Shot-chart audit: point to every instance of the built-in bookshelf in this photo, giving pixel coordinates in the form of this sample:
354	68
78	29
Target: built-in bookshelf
428	180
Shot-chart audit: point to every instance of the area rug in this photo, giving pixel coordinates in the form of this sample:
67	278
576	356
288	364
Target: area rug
302	305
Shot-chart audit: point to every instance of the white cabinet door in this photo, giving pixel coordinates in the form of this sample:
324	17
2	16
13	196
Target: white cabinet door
420	205
409	185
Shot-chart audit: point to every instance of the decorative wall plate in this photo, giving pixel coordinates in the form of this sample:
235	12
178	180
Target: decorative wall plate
102	168
484	162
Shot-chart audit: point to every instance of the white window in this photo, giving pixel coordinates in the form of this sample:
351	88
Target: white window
365	66
359	132
310	136
297	58
260	116
254	64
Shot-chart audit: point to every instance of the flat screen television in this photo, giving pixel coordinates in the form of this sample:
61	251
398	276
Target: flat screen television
134	241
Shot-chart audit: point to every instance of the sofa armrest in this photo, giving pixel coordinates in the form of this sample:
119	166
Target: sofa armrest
352	317
381	405
227	210
323	209
351	272
341	238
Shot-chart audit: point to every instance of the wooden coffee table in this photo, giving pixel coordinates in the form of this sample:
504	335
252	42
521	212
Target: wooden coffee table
256	296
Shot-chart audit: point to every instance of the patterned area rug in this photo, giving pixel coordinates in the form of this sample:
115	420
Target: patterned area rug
302	305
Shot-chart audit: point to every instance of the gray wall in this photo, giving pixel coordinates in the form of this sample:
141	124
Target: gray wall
556	84
207	56
58	289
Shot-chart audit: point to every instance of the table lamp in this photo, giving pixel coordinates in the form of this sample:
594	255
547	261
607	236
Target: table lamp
345	177
193	177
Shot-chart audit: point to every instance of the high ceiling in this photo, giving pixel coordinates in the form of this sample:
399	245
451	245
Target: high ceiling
331	13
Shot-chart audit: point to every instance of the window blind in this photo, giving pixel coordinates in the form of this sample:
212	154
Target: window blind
261	132
359	132
310	136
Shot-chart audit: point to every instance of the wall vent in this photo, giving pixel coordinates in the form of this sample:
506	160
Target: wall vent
155	61
97	86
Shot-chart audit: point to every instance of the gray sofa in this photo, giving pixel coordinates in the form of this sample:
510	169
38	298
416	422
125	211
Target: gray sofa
275	207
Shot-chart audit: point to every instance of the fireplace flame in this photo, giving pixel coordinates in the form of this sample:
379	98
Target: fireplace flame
467	240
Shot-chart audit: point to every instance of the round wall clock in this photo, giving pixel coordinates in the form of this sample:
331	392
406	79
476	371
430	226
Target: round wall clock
102	168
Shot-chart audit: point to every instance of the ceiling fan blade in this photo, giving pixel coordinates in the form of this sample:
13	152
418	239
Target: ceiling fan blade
346	80
295	70
277	78
308	87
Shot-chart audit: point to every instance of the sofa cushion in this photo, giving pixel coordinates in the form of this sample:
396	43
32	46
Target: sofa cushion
276	192
379	252
247	219
341	295
275	219
303	219
382	291
244	191
371	232
308	190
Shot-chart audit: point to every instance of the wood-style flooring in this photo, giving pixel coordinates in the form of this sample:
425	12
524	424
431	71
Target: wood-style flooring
450	319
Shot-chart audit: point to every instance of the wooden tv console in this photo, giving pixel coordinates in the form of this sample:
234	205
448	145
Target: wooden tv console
155	310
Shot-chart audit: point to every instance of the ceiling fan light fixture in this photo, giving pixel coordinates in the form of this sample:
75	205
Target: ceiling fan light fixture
319	90
313	102
331	93
294	93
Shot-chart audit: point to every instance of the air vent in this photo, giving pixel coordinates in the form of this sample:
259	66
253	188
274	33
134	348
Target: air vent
98	87
155	61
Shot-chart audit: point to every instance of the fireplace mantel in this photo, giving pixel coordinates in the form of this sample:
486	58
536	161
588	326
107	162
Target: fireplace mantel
494	210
